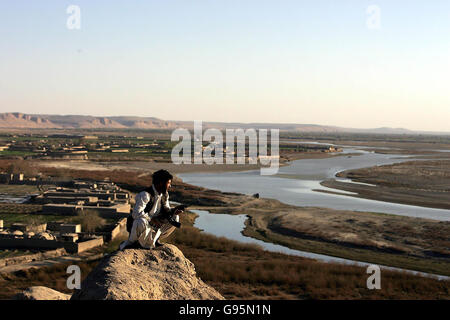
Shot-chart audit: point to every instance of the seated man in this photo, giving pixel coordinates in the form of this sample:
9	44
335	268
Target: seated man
147	226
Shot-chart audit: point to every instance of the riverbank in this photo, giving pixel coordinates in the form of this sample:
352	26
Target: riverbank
402	242
413	143
418	183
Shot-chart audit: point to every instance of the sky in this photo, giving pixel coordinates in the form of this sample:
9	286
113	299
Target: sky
319	62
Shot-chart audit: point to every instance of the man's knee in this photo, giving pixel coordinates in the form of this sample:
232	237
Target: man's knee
139	228
167	232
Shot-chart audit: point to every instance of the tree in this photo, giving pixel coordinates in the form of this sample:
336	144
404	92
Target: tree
90	220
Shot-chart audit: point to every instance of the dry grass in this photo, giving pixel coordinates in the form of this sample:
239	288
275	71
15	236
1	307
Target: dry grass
19	208
53	277
247	272
421	175
18	166
387	233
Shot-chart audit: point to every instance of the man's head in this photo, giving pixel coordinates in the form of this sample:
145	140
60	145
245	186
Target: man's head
162	180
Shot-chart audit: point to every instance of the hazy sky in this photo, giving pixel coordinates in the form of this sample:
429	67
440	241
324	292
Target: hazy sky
231	60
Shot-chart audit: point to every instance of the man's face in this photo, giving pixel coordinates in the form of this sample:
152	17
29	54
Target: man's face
168	185
163	187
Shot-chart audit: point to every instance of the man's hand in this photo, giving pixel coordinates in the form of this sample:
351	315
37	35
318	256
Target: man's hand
179	209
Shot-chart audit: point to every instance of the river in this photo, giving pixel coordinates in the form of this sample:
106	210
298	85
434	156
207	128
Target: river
295	185
11	198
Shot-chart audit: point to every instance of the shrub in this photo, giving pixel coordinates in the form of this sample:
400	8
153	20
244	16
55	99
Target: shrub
90	221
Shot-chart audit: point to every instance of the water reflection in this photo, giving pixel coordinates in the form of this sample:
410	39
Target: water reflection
8	198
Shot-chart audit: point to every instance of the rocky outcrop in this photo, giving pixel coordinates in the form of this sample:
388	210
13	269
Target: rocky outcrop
138	274
100	122
20	120
41	293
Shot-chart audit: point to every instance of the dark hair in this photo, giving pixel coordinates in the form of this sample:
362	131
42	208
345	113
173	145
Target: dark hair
161	176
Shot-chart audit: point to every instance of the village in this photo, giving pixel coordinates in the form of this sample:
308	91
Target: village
78	147
63	218
108	147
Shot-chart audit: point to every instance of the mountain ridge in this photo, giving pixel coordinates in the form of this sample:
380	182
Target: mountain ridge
49	121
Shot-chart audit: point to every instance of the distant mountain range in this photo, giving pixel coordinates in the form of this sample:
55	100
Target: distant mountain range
44	121
47	121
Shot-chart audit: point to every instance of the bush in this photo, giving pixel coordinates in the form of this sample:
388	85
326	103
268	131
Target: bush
90	221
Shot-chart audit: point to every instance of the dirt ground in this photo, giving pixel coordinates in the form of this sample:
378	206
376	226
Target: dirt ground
422	183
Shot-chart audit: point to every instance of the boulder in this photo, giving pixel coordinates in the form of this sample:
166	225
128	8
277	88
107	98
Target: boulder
45	236
138	274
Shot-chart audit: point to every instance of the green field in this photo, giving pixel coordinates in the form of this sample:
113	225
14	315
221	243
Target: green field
15	189
10	218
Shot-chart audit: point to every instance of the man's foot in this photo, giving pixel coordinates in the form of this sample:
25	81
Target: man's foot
130	245
123	245
158	244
